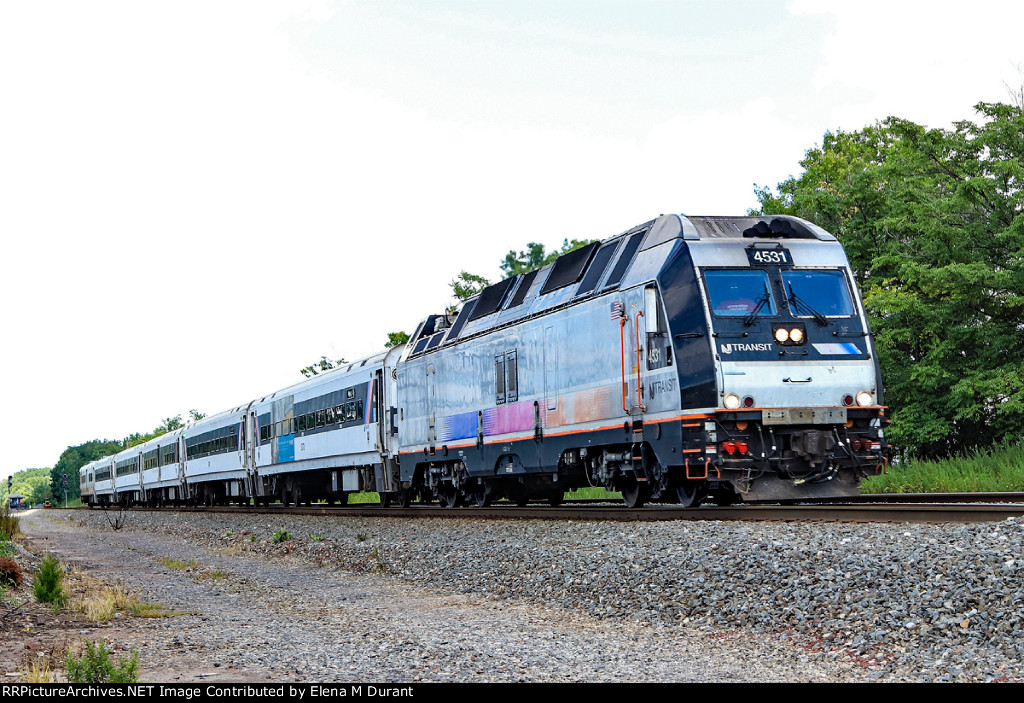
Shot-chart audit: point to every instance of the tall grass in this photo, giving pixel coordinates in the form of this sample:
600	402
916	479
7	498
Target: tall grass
998	470
9	526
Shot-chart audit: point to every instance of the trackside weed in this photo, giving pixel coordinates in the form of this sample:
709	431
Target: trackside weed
95	666
48	584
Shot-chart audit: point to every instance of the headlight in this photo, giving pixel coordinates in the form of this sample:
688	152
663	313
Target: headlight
789	334
732	401
865	399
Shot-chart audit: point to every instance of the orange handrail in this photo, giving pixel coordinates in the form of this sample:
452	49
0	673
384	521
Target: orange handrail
622	344
639	388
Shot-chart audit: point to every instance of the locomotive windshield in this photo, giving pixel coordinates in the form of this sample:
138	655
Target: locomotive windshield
738	293
825	291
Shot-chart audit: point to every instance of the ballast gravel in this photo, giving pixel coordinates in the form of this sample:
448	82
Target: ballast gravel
347	598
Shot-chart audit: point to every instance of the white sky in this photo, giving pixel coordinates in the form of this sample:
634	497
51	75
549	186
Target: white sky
197	199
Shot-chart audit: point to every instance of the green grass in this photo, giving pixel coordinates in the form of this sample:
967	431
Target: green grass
364	497
593	494
999	470
583	493
172	563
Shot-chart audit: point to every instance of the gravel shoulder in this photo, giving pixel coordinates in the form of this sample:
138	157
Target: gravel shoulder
349	599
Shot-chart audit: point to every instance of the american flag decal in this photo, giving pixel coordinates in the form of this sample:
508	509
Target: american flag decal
617	309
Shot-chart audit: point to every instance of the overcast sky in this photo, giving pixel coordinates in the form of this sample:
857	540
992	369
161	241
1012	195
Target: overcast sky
197	199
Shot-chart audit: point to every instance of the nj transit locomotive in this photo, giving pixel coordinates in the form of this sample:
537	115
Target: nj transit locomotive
687	358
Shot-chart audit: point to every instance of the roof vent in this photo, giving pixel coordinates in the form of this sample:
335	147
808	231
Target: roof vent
779	228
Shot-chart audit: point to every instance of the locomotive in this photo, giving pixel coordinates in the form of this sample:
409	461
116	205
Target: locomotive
686	359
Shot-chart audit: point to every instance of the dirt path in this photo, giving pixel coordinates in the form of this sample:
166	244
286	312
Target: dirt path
246	618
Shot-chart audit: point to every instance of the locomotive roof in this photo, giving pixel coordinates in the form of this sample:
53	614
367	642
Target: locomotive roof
597	268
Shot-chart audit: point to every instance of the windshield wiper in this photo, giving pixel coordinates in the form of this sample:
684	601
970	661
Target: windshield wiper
761	302
796	301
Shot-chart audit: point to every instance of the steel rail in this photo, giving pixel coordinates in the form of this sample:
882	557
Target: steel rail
859	513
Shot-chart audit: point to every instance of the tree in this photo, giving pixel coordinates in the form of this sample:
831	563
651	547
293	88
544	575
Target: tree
466	285
170	424
319	367
74	458
536	257
933	223
396	339
34	484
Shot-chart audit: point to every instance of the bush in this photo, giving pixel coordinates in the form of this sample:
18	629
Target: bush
95	666
48	585
10	572
8	525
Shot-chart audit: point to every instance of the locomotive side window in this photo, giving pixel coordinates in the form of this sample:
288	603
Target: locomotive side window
597	267
499	379
826	291
737	293
512	377
625	258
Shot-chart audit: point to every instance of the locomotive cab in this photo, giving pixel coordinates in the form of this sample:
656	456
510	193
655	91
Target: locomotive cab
787	365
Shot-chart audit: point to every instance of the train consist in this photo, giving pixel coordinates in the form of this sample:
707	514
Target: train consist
686	359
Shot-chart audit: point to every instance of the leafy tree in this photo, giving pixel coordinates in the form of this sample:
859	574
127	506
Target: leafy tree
535	256
34	484
319	367
170	424
74	458
933	223
466	285
396	339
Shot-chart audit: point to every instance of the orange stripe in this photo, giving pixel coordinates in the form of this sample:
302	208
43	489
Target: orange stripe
569	432
807	407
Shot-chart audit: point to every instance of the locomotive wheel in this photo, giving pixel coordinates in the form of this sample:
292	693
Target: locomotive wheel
447	497
481	498
405	497
634	493
556	498
689	494
385	499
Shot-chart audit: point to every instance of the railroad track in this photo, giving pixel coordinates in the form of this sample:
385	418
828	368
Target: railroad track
929	508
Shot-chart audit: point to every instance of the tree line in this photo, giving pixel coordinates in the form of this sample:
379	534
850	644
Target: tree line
75	457
933	223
